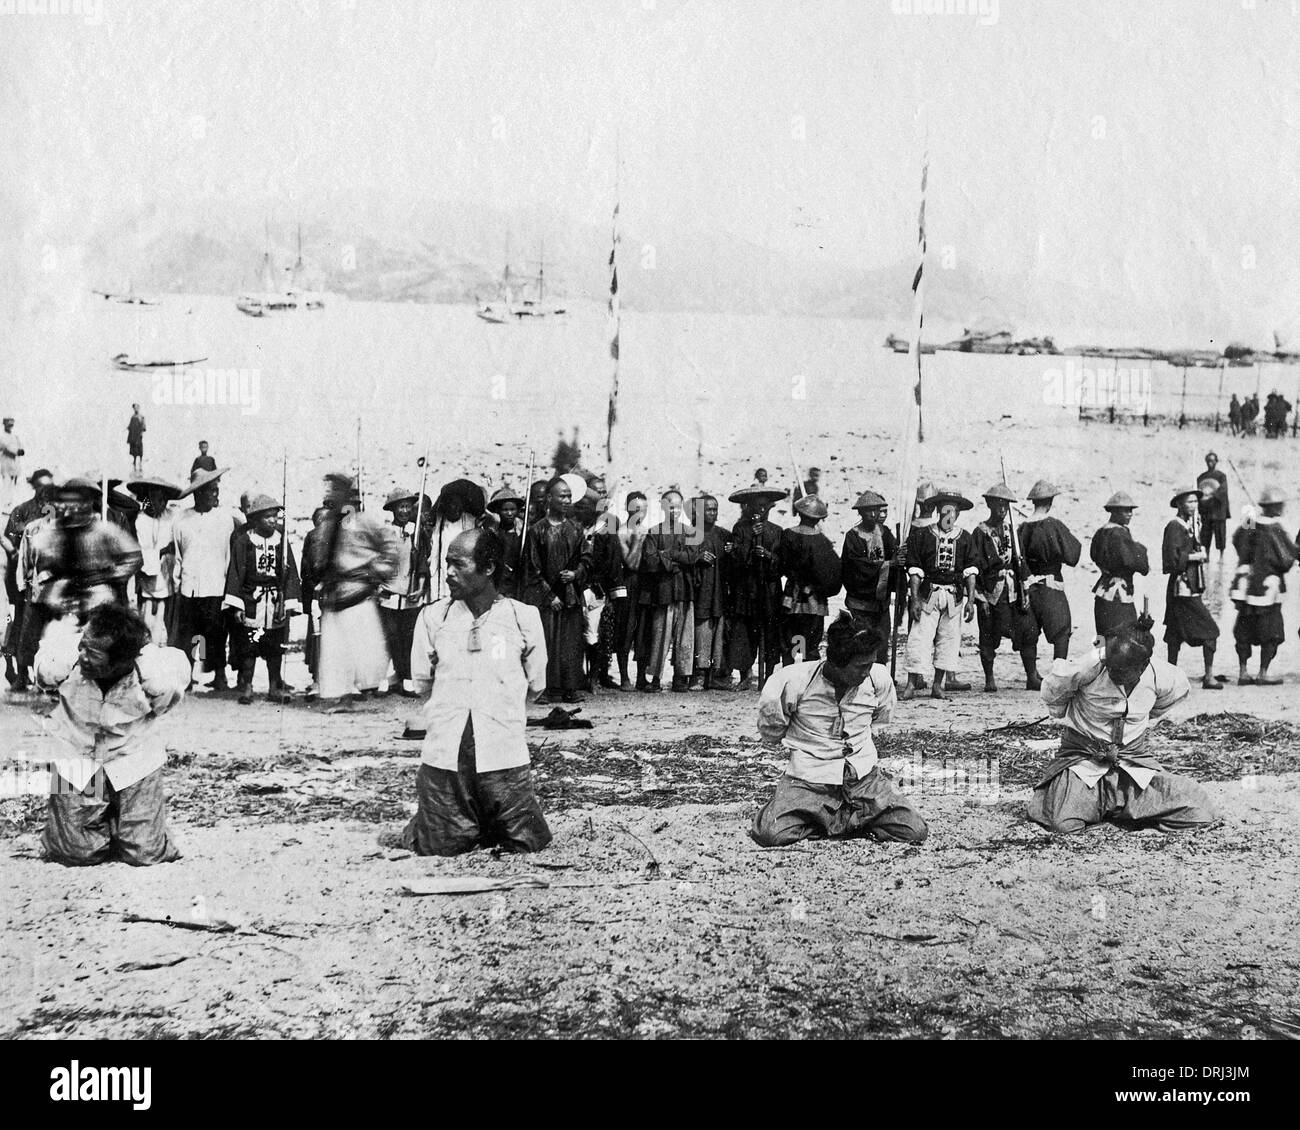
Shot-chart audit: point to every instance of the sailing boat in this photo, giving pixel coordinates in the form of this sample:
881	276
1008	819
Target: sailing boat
130	298
271	299
509	307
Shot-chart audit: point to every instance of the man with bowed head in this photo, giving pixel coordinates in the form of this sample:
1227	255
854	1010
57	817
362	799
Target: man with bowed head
821	712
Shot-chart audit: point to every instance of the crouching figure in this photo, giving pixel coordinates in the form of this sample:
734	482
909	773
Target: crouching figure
106	797
1109	699
821	712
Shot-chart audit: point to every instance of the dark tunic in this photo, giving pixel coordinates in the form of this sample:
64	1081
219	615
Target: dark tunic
753	594
1187	620
812	570
865	568
667	568
552	548
923	554
999	584
710	580
1115	552
1046	546
1264	554
251	574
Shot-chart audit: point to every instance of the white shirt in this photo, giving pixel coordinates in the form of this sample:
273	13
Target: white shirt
1081	693
485	668
114	731
800	709
203	551
154	535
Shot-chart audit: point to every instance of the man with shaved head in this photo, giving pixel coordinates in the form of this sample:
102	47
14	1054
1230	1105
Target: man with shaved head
480	657
1108	701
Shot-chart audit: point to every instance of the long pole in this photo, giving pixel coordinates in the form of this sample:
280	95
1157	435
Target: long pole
361	498
284	522
1182	408
899	597
797	490
528	498
419	513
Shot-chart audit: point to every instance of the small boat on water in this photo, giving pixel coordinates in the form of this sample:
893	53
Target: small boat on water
129	363
130	298
511	307
271	299
902	345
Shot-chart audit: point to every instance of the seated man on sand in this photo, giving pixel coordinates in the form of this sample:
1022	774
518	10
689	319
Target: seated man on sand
106	796
481	657
821	712
1109	699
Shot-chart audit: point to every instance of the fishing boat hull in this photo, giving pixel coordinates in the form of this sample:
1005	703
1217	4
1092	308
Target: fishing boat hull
126	364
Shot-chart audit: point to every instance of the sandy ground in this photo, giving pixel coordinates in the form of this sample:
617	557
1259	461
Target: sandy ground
660	917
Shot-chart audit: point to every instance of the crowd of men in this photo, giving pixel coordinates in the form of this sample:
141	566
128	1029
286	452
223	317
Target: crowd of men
1243	416
579	594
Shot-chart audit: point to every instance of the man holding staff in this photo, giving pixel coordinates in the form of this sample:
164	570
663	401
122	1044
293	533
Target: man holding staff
1187	620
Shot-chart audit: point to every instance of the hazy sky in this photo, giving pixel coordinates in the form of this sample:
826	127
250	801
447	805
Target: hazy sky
1142	145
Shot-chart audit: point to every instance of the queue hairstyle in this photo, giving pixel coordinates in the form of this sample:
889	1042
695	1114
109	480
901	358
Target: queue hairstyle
847	640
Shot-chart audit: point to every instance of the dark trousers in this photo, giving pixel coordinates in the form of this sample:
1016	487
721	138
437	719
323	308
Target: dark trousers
201	628
36	617
269	647
457	812
399	631
745	635
101	823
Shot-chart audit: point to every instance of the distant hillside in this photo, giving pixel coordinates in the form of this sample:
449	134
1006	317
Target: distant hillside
449	252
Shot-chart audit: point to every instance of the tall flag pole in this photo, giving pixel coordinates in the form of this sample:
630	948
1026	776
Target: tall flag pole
913	429
913	434
615	318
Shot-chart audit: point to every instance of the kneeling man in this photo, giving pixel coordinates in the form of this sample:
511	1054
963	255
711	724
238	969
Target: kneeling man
106	797
484	656
821	711
1109	699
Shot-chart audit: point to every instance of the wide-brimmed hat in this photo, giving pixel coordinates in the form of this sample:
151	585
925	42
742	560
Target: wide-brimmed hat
141	485
1195	491
399	494
81	484
1042	490
1271	496
39	473
952	498
505	494
200	479
1120	500
869	500
810	506
261	503
756	493
1001	491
